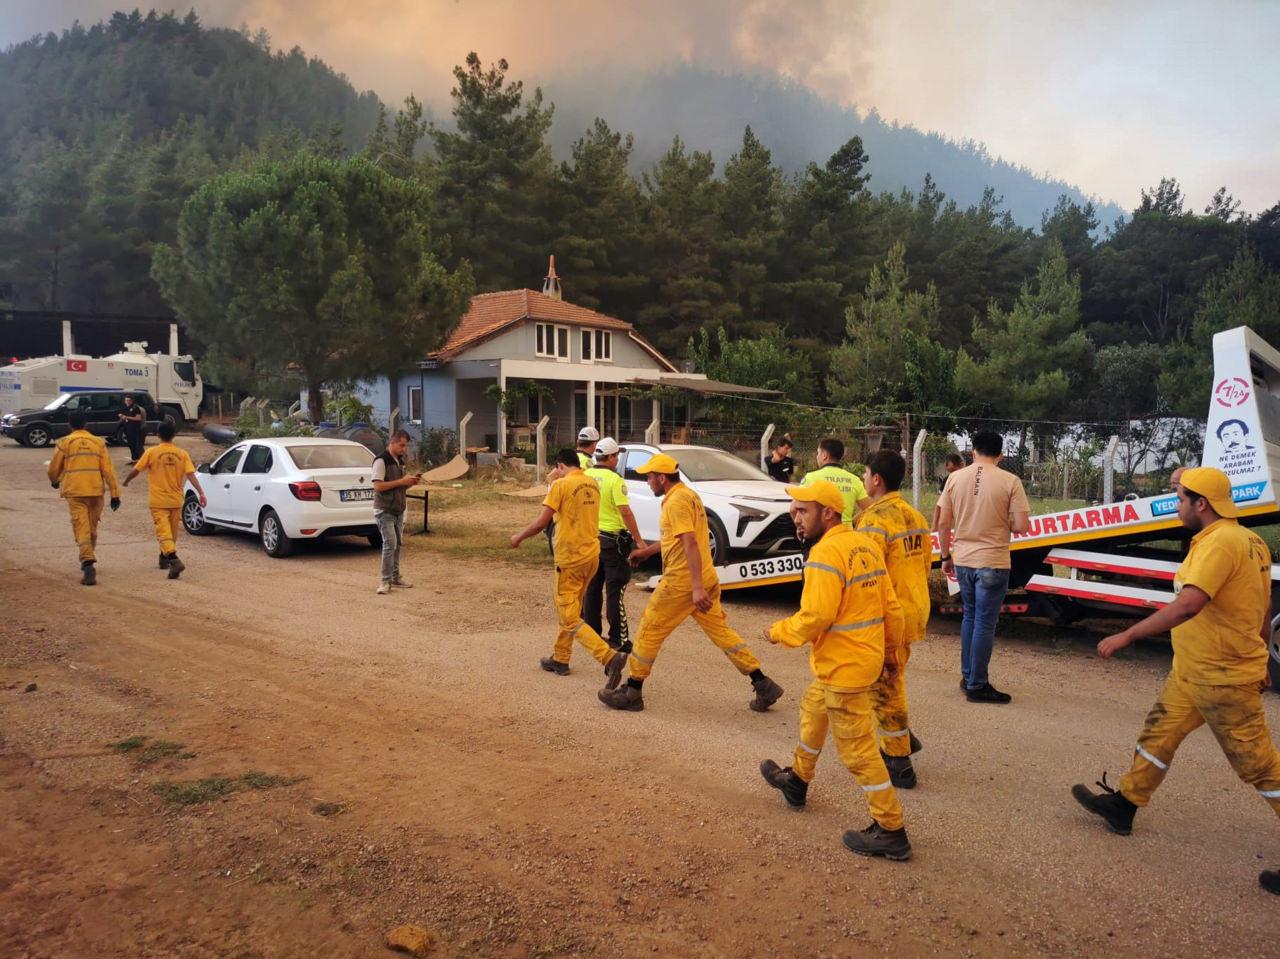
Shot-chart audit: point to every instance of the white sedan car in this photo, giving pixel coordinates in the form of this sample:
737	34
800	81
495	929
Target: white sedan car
285	489
748	512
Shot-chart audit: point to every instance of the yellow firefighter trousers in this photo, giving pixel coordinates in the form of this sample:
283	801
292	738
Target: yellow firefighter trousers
1233	713
85	513
848	715
571	584
889	696
670	605
168	522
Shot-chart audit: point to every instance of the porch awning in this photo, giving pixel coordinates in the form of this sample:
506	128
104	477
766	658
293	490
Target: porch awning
706	387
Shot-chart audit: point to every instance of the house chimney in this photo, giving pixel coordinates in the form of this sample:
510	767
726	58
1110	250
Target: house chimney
551	283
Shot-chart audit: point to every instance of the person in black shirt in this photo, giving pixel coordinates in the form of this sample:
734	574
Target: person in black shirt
953	462
780	464
134	418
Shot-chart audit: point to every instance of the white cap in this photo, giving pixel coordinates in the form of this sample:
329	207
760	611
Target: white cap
588	434
606	448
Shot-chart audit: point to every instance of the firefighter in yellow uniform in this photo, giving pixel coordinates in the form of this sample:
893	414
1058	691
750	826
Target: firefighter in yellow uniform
573	501
80	468
851	619
689	587
903	536
167	468
1220	621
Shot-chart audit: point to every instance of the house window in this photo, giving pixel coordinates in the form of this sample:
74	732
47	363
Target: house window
597	346
551	340
415	404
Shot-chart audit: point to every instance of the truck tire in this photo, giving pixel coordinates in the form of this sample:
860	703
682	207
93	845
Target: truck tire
173	415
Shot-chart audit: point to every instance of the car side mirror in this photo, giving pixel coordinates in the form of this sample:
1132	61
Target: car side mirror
202	468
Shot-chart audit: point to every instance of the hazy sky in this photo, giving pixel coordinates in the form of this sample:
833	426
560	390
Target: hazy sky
1107	95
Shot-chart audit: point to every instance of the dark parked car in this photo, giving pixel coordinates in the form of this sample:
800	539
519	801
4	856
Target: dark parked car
102	407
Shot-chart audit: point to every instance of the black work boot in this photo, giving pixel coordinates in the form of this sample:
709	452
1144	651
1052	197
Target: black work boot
175	566
551	666
875	840
901	773
1269	879
626	697
613	671
793	788
916	745
88	575
164	561
767	693
1110	804
987	694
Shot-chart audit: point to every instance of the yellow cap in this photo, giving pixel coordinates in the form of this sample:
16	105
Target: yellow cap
1213	485
822	492
659	463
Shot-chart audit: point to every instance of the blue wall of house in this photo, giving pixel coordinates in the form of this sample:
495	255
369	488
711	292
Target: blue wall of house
439	405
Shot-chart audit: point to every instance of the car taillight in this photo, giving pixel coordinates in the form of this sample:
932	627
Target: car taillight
308	491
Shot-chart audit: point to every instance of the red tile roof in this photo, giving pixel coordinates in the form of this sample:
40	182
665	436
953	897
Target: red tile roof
491	313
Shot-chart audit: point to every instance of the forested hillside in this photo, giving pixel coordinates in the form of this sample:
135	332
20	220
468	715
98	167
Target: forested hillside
708	110
105	131
826	277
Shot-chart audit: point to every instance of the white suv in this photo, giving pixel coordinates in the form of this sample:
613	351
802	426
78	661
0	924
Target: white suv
748	512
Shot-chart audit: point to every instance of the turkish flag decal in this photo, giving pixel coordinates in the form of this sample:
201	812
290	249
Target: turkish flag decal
77	366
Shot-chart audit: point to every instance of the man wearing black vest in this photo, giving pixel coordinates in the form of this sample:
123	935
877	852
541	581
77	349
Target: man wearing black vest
389	484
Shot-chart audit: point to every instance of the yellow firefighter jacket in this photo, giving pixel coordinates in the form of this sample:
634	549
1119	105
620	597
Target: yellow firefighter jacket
81	466
903	537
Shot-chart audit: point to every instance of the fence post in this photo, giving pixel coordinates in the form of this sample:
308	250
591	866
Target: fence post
391	420
261	407
765	437
1109	470
246	403
917	467
462	433
1066	478
654	432
540	445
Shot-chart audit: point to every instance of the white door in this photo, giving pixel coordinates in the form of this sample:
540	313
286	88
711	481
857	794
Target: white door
218	485
644	504
247	485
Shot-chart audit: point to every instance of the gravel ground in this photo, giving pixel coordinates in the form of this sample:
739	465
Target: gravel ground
432	774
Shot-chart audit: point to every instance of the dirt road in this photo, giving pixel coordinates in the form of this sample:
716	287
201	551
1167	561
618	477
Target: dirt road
447	781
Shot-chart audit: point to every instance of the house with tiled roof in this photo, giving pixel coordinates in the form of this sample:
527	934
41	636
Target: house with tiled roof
551	358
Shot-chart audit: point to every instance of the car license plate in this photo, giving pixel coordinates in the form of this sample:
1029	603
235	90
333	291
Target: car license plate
355	495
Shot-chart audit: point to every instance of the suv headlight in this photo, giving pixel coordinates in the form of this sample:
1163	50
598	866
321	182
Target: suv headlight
747	515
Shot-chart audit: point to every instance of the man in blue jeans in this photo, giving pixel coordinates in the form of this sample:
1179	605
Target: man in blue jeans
981	506
390	481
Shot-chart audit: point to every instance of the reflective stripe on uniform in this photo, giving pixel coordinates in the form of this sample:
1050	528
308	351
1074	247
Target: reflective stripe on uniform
574	631
873	529
861	576
825	567
810	750
895	734
848	627
641	659
1150	758
875	789
1269	793
735	649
